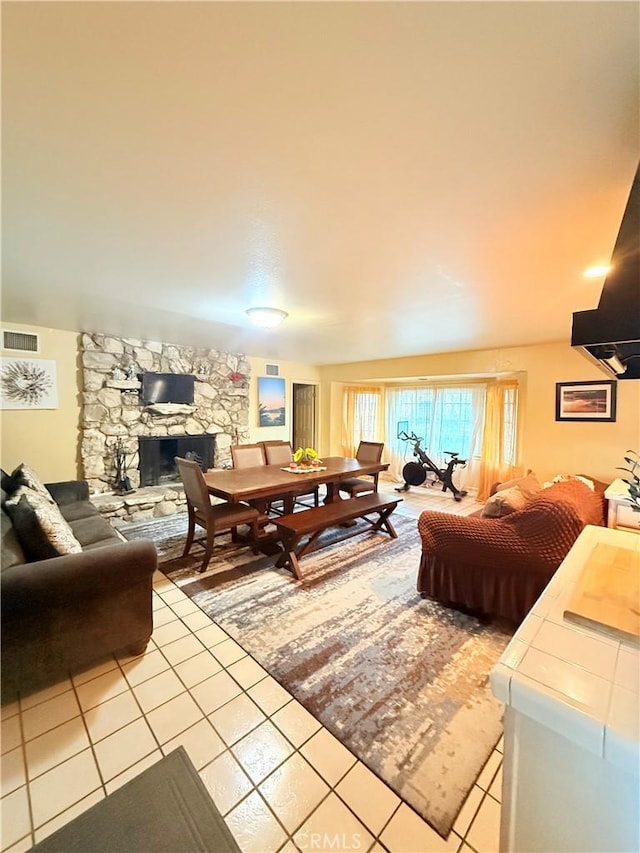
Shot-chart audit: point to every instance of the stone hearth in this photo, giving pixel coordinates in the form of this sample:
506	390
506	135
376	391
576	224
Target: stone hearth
147	502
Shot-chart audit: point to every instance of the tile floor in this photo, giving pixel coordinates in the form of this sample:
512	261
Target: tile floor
280	779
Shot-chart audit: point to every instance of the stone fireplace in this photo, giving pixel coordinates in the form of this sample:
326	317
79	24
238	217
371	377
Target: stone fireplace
113	412
157	456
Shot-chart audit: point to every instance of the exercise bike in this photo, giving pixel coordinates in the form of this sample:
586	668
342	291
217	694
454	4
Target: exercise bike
415	473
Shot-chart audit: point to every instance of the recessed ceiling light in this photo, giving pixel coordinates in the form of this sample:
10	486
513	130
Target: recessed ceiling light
266	318
595	272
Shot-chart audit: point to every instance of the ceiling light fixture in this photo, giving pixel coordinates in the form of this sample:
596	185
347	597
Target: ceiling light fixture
266	318
596	272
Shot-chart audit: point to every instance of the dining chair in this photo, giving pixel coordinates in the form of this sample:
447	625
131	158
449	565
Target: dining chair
368	451
247	455
214	518
280	454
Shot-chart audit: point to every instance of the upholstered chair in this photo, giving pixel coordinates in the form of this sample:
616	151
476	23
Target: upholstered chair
280	454
247	455
368	451
213	518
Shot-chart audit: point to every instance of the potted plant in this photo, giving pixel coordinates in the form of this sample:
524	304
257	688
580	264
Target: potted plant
633	481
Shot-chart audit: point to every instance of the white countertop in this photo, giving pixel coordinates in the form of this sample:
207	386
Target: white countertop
575	680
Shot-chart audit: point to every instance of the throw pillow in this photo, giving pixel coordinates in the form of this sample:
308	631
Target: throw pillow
25	476
41	528
529	485
504	502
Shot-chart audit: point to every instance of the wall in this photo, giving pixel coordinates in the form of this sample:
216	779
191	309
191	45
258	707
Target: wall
548	447
47	439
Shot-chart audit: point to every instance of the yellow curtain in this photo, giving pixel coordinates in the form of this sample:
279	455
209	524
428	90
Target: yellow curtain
499	438
361	416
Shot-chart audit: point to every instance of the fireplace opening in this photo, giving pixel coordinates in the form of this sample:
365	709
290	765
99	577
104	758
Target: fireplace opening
157	456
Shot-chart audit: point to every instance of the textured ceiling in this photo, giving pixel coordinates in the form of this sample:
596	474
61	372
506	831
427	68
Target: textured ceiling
400	177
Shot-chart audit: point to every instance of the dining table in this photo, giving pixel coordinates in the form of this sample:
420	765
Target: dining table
262	484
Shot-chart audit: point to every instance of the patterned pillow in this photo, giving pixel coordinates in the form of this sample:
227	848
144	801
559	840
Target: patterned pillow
25	476
41	528
504	502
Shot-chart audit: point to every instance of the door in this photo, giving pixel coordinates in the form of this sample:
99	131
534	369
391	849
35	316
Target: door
304	415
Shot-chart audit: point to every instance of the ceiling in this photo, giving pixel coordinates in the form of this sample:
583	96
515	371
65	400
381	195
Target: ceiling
402	178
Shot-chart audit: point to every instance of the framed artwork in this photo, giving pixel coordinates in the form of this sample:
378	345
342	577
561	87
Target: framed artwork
271	401
28	383
586	401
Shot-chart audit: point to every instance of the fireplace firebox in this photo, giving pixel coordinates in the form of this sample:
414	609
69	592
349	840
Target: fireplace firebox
157	455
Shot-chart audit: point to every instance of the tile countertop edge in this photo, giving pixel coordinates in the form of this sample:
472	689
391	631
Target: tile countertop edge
608	735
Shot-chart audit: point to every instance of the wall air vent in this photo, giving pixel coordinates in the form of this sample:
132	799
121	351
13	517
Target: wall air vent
272	369
20	341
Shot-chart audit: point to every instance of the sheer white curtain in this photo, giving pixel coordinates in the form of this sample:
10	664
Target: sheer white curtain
448	418
361	416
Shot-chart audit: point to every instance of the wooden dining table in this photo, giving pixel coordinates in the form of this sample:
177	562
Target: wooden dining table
264	483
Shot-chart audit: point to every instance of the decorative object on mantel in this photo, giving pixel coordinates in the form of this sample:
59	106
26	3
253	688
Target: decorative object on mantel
123	384
238	378
171	408
121	461
633	482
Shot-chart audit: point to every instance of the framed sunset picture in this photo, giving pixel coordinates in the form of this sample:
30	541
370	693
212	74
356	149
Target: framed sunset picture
271	401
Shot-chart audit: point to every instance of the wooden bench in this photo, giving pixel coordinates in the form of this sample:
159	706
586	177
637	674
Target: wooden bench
292	528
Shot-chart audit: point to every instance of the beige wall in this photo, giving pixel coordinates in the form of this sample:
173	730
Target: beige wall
48	440
548	447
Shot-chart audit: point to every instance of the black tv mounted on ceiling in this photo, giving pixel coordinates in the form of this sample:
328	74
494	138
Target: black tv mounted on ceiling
167	388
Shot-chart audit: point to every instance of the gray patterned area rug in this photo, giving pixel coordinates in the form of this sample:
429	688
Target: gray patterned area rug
401	681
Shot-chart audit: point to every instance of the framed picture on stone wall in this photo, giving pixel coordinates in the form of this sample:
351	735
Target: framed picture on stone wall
271	401
28	383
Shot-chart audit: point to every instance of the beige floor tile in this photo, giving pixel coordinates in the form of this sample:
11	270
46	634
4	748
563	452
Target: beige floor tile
489	771
110	716
500	745
157	690
328	756
20	846
215	692
468	811
226	782
47	715
211	636
408	833
254	827
236	719
63	786
172	595
228	652
11	734
133	771
162	616
182	649
247	672
201	742
198	668
49	692
144	667
296	723
166	634
156	601
185	607
101	689
333	827
55	746
293	791
496	786
484	834
86	674
14	809
12	770
9	709
124	748
261	751
173	717
68	815
371	800
196	621
161	582
269	695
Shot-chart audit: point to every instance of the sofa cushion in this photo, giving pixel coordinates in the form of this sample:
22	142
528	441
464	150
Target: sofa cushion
41	529
529	485
81	509
94	531
503	502
12	553
25	476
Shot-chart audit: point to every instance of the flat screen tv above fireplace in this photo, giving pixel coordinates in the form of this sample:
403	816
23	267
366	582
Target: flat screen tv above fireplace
167	388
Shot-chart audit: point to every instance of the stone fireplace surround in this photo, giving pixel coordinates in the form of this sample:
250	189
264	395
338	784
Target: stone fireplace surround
112	409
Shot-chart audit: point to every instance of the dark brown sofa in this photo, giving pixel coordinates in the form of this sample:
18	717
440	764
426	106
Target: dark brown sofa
500	566
63	613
